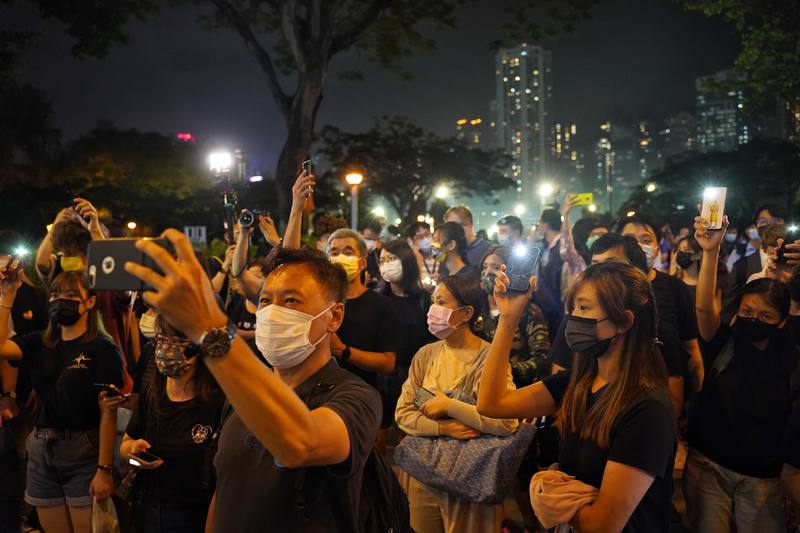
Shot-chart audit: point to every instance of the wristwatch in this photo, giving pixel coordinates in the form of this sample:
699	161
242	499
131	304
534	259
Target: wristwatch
108	469
216	342
9	394
345	354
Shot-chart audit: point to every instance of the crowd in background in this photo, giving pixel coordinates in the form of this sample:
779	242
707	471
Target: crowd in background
650	377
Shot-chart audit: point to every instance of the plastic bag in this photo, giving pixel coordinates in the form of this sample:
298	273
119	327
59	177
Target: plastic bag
104	517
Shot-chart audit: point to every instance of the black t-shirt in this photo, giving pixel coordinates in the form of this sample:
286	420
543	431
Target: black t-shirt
238	313
674	356
255	495
179	433
643	436
412	323
63	376
739	417
29	313
675	305
370	323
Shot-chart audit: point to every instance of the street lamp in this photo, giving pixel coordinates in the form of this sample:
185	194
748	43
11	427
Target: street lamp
442	192
650	187
420	218
354	179
131	225
519	209
220	162
592	208
379	211
545	190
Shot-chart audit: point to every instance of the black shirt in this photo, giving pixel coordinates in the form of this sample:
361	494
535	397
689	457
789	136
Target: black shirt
643	436
671	350
255	495
412	323
675	305
179	433
739	417
63	376
370	324
29	313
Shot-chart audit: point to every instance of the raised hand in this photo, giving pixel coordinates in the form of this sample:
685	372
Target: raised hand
302	189
511	303
268	230
88	217
709	239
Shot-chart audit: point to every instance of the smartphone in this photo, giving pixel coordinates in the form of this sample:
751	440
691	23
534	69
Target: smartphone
142	457
308	166
584	198
422	396
107	260
790	238
521	267
713	207
111	391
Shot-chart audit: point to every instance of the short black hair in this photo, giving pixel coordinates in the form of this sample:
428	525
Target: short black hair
773	209
71	238
514	222
630	247
638	220
411	230
455	232
331	277
552	218
466	288
774	292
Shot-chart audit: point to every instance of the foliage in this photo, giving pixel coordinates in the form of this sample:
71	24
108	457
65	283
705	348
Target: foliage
756	173
770	34
403	164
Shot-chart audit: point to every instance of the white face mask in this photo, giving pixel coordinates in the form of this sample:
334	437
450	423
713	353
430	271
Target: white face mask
425	244
370	244
392	271
503	239
147	325
282	335
349	263
650	253
752	233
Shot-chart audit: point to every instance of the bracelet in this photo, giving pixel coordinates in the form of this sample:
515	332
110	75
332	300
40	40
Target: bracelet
105	468
345	354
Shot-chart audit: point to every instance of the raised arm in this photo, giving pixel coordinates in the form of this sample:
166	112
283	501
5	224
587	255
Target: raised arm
494	398
8	292
45	252
708	313
302	190
270	409
250	284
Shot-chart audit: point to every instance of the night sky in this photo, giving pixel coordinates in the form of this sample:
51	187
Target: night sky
633	58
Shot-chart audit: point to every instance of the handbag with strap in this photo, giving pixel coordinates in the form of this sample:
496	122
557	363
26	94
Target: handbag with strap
479	470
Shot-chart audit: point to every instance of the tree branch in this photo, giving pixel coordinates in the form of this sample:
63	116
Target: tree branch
259	52
289	28
347	39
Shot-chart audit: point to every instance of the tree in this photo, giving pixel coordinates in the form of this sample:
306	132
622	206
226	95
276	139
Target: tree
403	164
770	54
756	173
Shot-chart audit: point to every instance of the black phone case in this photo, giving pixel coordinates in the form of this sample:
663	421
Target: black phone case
520	269
106	264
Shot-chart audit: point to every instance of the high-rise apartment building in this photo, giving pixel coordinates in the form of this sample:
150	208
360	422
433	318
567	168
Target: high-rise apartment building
520	115
721	120
471	131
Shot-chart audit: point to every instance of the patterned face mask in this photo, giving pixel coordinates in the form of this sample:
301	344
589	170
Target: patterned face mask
171	357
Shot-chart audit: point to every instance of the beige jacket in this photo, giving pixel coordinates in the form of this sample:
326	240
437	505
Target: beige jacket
413	422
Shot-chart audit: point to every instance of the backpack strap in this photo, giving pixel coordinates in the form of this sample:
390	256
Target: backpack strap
724	358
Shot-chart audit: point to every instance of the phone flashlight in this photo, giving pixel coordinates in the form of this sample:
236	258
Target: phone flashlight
520	250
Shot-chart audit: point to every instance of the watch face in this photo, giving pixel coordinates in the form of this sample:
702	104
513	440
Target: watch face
217	341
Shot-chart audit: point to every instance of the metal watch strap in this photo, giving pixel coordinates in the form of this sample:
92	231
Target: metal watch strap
217	341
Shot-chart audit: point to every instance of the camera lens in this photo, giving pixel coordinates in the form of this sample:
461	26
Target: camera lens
246	218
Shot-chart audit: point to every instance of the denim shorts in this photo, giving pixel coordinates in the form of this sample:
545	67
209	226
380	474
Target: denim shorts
61	468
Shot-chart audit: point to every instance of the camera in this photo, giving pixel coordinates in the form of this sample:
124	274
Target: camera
249	216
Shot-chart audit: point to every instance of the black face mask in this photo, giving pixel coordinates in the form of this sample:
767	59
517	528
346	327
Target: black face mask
581	335
752	329
487	283
64	312
684	259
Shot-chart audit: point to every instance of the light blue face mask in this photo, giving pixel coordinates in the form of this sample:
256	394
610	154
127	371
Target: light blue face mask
591	240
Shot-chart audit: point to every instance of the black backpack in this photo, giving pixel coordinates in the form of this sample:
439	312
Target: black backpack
383	507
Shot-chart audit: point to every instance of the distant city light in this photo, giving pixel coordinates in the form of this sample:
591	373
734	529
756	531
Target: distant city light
186	137
131	225
650	187
546	189
592	208
220	162
398	221
442	192
519	209
256	178
630	214
379	211
420	218
461	122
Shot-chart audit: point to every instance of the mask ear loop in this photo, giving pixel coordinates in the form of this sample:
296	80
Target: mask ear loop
315	344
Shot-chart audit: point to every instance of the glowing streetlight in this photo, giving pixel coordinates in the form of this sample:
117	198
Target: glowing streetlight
354	179
592	208
442	192
519	209
220	162
420	218
546	189
630	214
379	211
256	178
650	187
398	221
131	225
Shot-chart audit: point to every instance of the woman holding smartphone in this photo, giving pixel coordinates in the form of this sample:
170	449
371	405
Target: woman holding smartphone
71	448
612	408
440	369
168	437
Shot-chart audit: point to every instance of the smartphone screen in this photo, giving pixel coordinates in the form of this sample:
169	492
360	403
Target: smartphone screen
422	396
147	457
521	267
714	206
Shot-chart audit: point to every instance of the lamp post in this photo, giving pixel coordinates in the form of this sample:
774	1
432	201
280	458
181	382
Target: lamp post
220	164
354	179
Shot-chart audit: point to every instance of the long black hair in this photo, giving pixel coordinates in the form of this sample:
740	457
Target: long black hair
411	282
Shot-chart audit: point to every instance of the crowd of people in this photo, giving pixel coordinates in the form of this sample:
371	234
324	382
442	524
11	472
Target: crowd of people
396	379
